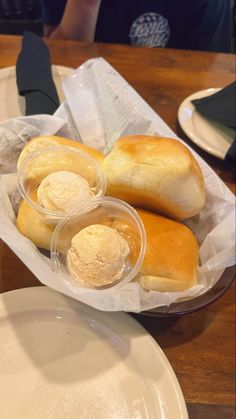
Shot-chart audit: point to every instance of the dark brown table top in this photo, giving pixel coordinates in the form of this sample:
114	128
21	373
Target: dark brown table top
201	345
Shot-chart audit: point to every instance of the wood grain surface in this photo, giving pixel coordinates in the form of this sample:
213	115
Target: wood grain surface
200	346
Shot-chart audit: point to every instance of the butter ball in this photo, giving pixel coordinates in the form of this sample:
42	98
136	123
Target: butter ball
62	190
97	256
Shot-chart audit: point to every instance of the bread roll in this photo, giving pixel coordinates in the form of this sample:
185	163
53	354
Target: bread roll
155	173
171	258
31	224
43	141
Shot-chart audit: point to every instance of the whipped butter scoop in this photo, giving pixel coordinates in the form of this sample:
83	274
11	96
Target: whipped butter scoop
97	256
61	190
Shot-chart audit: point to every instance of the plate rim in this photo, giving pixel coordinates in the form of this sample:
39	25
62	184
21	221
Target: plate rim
187	102
45	294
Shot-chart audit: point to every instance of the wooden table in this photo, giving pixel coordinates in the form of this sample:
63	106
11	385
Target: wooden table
200	346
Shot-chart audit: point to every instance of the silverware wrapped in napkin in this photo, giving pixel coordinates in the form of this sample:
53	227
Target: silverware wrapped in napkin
221	108
34	76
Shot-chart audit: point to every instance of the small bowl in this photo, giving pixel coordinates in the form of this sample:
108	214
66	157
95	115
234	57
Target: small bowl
41	163
110	212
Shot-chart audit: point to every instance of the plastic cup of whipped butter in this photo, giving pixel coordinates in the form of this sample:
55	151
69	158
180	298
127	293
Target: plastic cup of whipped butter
100	246
57	179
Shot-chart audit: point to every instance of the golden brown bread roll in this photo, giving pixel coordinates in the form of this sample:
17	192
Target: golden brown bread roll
43	141
155	173
31	224
171	259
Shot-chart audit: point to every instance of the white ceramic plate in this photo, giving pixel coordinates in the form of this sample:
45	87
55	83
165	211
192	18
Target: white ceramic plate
210	136
13	105
62	359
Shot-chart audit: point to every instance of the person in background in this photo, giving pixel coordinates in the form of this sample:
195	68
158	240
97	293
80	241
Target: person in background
184	24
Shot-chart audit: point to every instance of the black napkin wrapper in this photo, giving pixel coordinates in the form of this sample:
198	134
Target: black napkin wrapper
221	107
230	157
34	76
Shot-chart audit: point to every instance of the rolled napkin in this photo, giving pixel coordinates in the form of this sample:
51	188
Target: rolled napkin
230	157
221	108
34	76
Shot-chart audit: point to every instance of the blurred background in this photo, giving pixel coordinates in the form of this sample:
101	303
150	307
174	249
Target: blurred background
16	16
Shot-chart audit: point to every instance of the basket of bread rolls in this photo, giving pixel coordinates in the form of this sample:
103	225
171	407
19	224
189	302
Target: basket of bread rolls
107	223
157	177
117	219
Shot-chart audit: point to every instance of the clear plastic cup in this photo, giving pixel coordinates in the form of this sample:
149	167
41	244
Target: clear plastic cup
106	211
41	163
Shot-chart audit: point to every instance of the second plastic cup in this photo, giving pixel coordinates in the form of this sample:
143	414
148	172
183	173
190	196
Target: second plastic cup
105	211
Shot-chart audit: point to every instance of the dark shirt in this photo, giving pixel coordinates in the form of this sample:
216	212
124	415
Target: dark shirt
184	24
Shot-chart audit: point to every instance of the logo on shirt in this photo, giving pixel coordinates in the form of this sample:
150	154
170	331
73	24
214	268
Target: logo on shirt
150	30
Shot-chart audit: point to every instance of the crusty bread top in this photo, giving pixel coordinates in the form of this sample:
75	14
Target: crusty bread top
161	152
43	141
155	173
171	254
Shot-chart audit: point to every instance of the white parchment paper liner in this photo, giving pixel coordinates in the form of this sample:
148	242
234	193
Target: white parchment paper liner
100	107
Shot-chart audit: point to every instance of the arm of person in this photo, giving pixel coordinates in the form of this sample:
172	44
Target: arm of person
78	21
52	13
48	30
